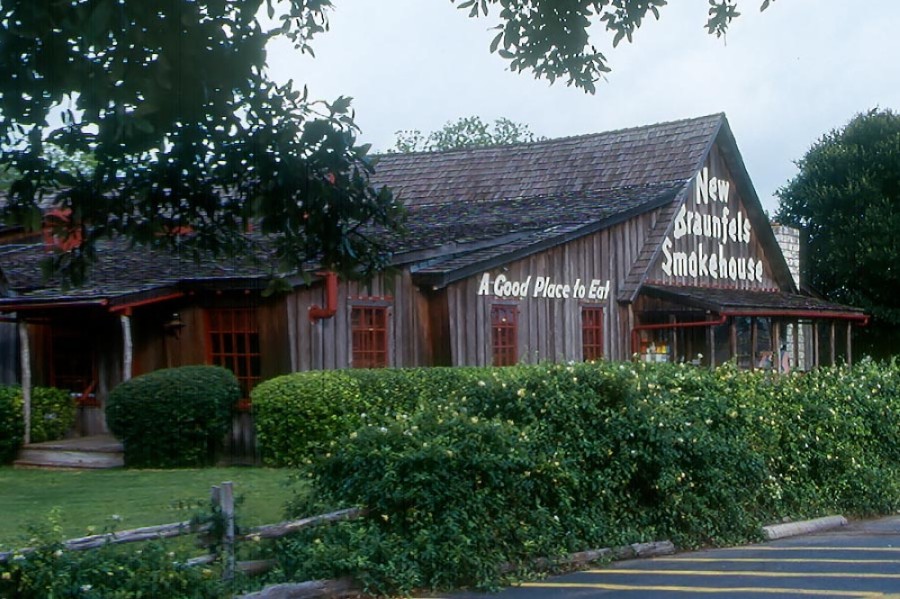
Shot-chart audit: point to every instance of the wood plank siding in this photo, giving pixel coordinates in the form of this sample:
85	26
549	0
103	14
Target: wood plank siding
550	329
326	343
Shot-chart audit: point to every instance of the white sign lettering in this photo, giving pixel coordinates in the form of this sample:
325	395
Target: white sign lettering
723	230
544	288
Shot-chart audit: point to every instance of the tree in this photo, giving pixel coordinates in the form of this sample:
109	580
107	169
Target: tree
466	132
173	102
552	38
846	200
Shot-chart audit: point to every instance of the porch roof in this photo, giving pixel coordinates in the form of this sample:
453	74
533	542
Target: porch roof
122	274
745	302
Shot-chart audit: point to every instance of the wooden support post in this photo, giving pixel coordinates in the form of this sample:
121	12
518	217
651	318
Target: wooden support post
753	332
711	336
815	344
833	352
775	342
127	349
849	343
25	356
797	346
733	339
630	351
227	505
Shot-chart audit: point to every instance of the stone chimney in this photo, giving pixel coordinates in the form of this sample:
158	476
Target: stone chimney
789	241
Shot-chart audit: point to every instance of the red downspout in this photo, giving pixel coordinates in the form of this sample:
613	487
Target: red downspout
317	313
673	325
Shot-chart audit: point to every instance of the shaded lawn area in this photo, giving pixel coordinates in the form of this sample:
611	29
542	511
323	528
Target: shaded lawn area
89	498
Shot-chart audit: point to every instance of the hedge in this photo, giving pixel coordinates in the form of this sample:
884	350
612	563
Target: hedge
531	461
52	415
174	417
12	424
300	415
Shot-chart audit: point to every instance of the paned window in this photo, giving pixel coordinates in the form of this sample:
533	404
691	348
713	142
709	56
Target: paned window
233	343
504	335
368	326
591	333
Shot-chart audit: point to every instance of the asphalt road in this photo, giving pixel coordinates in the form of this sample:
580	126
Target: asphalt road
861	560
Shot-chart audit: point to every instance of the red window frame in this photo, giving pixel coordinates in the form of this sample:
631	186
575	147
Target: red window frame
369	336
591	333
504	334
232	336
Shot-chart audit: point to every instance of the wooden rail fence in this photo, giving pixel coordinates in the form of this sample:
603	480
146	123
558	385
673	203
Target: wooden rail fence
223	503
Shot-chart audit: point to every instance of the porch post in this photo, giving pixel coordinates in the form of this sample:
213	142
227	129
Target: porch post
733	340
849	344
712	344
775	342
753	333
833	353
816	343
25	355
673	320
127	359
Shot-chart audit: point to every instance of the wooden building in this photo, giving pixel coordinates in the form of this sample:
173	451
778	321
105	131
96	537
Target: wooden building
647	242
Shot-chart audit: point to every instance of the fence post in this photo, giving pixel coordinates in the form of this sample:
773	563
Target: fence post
227	505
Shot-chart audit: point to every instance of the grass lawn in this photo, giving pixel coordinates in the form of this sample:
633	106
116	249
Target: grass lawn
140	497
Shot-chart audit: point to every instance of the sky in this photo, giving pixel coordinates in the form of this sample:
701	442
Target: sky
783	77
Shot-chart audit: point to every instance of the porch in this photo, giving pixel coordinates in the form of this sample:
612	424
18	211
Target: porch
94	452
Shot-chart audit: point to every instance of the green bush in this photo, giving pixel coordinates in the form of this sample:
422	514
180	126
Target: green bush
52	413
108	572
11	423
174	417
506	465
305	413
299	415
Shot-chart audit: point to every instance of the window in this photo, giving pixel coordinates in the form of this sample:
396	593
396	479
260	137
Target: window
368	325
591	333
233	343
504	334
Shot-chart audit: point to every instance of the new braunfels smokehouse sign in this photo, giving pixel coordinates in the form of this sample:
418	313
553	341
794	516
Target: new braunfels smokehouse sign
723	229
544	288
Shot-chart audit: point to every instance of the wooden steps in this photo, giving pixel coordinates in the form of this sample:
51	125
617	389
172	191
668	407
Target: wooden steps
100	451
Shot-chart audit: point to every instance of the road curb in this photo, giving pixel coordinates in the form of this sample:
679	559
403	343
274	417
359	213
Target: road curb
792	529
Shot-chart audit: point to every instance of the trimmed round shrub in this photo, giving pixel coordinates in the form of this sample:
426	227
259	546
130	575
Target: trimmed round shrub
11	423
301	414
52	413
175	417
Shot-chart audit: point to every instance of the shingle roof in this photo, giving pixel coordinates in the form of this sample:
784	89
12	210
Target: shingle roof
624	158
737	301
468	209
119	271
522	226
